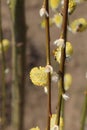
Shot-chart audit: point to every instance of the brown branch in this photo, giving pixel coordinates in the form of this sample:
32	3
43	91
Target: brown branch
63	56
48	62
64	36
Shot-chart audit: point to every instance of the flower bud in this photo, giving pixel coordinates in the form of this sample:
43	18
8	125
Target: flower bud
43	12
65	97
59	42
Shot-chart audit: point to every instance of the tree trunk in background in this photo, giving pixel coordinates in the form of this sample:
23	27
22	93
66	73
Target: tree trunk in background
3	81
18	63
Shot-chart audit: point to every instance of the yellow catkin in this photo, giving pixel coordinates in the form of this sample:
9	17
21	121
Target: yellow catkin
78	25
67	81
72	6
69	49
53	120
38	76
54	4
57	19
69	52
43	23
57	54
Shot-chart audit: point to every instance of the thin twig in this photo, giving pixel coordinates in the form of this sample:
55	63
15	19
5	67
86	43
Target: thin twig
64	36
63	56
48	62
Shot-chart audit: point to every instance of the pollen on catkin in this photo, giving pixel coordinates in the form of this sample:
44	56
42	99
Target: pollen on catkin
69	49
57	54
53	120
38	76
69	52
72	5
78	25
57	19
54	4
43	23
67	81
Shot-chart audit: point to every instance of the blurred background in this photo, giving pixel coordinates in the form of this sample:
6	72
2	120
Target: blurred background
35	110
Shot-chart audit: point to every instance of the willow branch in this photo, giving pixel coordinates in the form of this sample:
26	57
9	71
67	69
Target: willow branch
64	36
63	56
48	62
